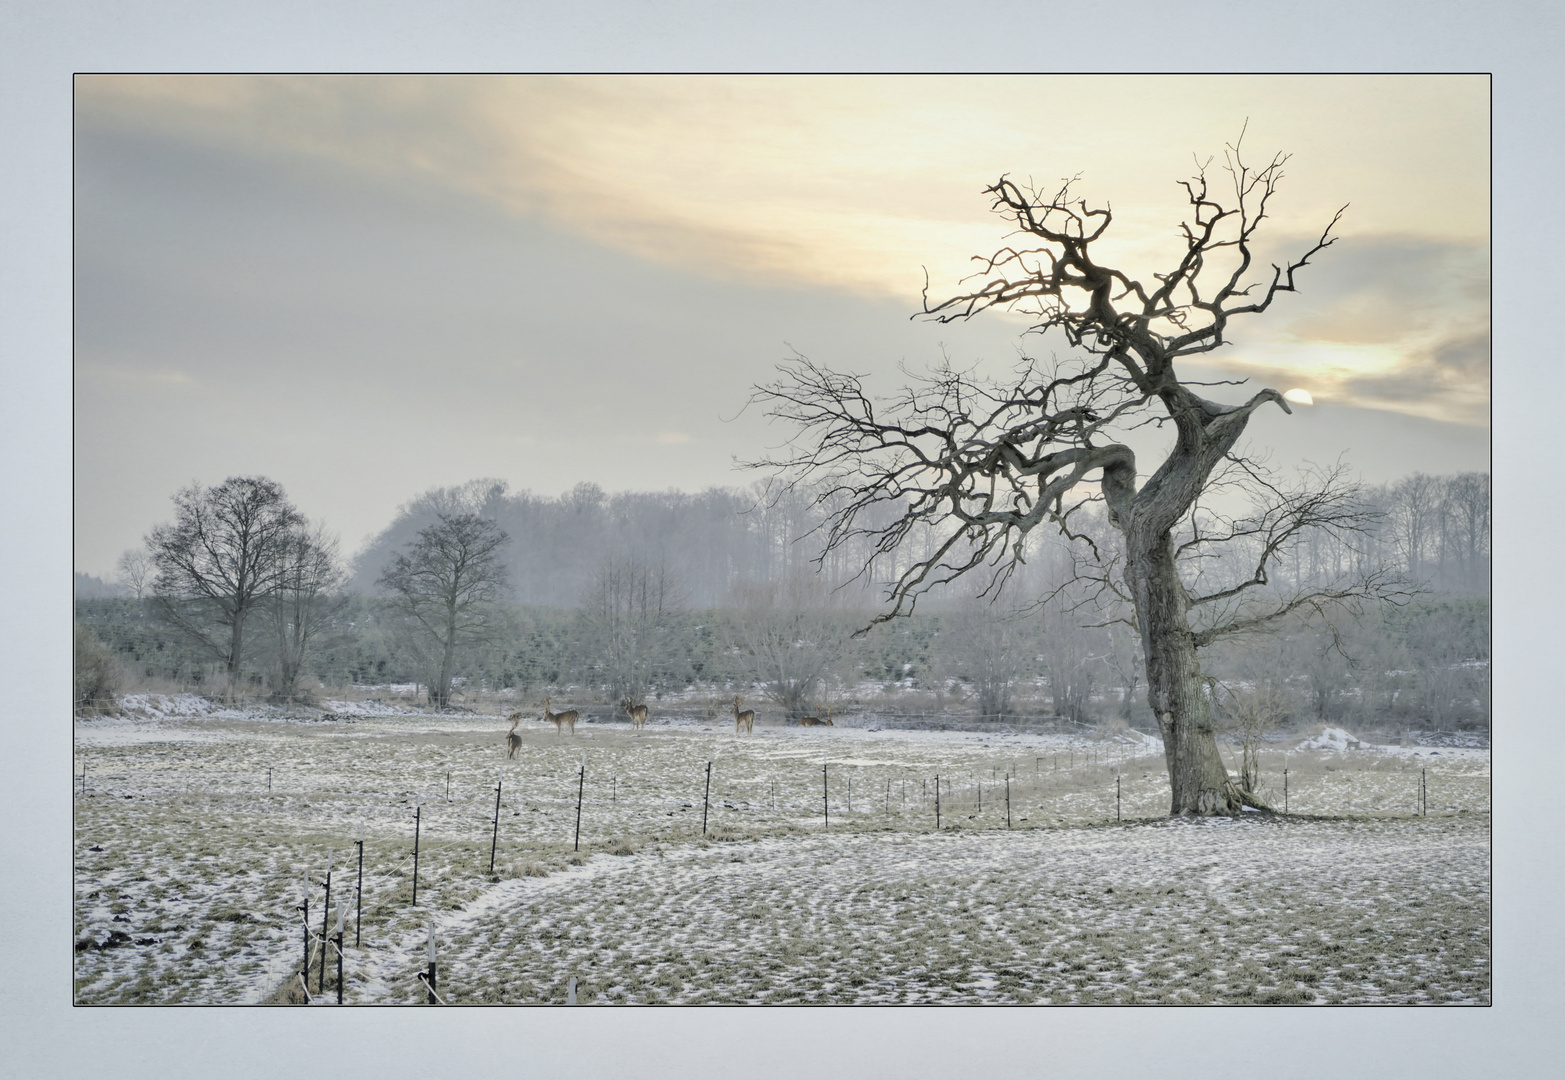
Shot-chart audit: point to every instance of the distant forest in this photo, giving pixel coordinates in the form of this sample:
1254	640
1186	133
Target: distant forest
642	594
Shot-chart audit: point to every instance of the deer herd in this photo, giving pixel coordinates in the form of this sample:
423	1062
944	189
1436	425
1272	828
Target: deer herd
744	720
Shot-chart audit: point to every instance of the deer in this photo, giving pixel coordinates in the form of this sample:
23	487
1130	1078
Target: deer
567	718
744	722
816	721
513	741
637	714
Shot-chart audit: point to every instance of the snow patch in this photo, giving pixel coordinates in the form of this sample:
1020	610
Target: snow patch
1332	738
161	706
361	708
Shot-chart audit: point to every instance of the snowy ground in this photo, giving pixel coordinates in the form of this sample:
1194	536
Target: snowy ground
189	870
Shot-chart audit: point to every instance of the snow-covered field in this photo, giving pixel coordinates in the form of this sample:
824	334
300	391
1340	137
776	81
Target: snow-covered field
189	869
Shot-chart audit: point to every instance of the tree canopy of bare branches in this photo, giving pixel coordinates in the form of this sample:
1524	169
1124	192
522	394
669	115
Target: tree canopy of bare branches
445	586
227	551
962	469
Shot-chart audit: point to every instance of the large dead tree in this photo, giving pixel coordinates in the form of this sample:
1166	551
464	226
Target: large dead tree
977	465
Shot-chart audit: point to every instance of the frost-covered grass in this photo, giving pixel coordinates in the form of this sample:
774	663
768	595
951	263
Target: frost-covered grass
188	870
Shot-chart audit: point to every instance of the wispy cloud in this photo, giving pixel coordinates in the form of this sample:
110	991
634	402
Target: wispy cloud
856	184
1394	323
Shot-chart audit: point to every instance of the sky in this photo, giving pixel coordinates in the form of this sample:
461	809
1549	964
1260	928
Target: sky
364	287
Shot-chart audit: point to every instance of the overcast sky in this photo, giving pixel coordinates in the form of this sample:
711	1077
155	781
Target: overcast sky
365	287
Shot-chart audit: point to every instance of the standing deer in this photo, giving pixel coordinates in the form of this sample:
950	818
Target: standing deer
567	718
513	741
744	722
637	714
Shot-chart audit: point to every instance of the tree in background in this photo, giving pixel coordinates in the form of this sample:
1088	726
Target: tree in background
980	464
444	587
227	551
988	648
1255	702
306	598
134	571
792	639
97	674
630	624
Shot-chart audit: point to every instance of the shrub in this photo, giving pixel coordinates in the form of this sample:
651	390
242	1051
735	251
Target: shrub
98	674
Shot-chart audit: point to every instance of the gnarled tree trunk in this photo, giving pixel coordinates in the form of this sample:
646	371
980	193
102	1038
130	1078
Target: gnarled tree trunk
1176	690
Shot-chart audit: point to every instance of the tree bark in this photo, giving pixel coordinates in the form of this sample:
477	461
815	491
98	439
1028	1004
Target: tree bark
447	657
1176	690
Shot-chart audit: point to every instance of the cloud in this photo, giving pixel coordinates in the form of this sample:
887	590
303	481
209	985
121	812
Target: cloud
1395	323
852	183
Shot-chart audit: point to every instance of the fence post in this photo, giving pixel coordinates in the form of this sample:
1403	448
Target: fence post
1007	800
706	799
1285	790
418	809
304	907
1116	798
339	954
825	798
358	893
937	800
430	977
494	840
581	784
320	982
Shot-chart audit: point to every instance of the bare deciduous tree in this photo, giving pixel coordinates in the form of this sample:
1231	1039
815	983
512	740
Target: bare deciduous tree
987	647
134	571
981	464
629	618
225	553
305	599
1254	703
792	638
444	587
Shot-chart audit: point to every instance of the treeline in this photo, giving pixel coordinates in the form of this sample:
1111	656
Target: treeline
1425	664
640	595
719	542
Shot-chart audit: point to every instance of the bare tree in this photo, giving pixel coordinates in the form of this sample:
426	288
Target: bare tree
1415	525
629	616
444	587
988	647
226	552
980	464
792	639
98	675
1254	703
1464	530
306	598
134	571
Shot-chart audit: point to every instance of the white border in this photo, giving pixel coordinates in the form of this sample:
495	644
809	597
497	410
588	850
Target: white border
42	44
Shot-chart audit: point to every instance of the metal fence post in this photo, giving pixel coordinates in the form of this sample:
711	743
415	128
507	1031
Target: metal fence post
418	810
320	982
706	799
494	841
581	784
358	893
